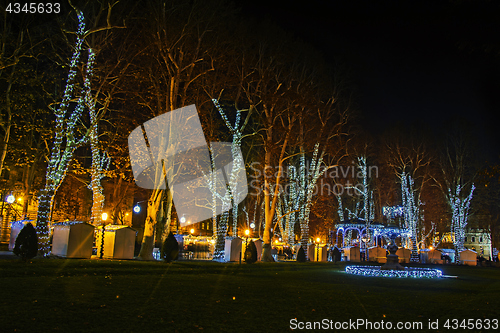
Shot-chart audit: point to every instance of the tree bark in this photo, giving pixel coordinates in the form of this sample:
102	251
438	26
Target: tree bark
154	204
270	207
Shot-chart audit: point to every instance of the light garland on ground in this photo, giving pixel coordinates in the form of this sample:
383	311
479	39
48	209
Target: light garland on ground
376	271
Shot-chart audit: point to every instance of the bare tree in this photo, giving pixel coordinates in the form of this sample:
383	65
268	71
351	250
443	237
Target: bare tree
457	185
15	45
409	159
181	54
66	139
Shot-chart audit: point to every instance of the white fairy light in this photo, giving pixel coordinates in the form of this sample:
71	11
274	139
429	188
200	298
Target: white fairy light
411	211
64	143
406	273
460	208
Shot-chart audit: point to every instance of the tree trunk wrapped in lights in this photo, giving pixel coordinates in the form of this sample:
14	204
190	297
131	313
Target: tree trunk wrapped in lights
221	192
411	211
309	181
457	176
293	205
65	140
288	206
364	207
100	162
238	166
460	208
330	119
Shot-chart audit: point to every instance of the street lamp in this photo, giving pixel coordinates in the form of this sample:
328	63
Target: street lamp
247	233
137	208
11	199
104	217
317	248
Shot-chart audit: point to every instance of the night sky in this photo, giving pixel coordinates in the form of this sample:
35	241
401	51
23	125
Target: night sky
424	62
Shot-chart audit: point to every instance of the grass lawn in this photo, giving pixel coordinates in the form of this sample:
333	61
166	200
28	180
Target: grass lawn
132	296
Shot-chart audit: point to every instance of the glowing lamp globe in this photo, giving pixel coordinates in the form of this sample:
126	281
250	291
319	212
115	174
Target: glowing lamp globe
252	225
183	219
104	216
11	199
137	209
247	232
192	231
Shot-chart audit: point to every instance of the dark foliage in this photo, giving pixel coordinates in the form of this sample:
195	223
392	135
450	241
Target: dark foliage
251	253
26	242
301	255
170	249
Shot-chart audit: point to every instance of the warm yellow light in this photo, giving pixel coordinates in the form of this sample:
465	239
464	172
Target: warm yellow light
276	241
192	230
317	240
431	248
247	232
104	216
20	199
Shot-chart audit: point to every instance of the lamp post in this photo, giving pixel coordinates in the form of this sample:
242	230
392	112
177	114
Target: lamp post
137	208
317	248
11	200
104	217
247	233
